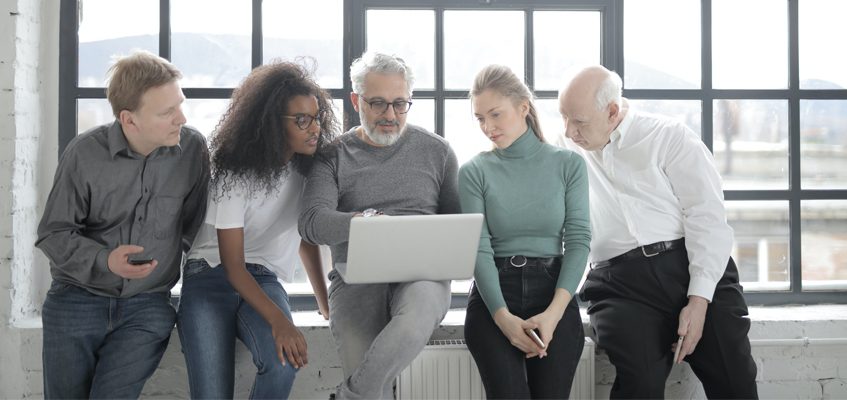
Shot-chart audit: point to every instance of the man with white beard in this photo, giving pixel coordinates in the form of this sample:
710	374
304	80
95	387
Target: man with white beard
381	167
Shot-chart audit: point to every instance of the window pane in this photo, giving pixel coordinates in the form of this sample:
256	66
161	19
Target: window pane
497	37
105	32
422	114
688	111
564	39
821	66
761	243
306	29
750	44
91	113
647	62
204	114
824	241
552	125
751	143
409	34
823	143
212	50
462	131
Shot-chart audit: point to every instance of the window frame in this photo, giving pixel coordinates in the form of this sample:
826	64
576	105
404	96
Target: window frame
354	20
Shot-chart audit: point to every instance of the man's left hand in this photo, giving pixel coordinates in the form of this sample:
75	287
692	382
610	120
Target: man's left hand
691	320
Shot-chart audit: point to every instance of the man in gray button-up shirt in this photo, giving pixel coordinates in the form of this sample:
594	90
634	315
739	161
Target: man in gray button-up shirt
134	188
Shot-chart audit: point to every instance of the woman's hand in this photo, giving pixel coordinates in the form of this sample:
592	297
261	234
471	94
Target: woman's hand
549	319
514	328
289	342
546	322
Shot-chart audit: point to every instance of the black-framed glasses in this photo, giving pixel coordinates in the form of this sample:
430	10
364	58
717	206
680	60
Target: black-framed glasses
304	121
381	106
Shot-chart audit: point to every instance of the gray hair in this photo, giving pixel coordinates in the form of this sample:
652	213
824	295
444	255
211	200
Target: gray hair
609	91
372	61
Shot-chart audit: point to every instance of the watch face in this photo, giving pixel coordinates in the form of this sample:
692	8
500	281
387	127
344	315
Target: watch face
370	212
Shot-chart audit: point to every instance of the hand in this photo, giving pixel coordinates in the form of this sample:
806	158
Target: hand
514	328
118	264
691	320
546	322
323	309
289	341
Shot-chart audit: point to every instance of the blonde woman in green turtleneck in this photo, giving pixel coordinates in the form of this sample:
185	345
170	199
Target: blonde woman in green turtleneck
533	248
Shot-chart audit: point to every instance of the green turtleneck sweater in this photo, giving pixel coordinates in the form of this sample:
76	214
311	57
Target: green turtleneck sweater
535	200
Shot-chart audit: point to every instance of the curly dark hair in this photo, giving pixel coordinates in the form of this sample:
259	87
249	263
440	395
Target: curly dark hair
250	142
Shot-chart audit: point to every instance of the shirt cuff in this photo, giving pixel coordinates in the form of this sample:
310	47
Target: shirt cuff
703	287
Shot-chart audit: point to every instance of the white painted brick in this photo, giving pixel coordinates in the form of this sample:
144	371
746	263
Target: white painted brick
776	329
831	351
834	389
784	369
777	351
790	390
824	329
31	339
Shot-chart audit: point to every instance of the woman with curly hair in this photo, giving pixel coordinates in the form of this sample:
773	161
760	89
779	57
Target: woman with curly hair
263	147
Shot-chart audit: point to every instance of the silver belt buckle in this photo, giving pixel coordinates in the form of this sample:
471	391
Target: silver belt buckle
512	261
649	255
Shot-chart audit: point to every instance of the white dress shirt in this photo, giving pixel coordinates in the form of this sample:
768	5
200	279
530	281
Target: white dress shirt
656	181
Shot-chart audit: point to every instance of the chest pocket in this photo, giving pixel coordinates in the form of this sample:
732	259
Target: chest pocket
166	210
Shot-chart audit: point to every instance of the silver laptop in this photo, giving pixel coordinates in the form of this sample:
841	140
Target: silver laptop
411	248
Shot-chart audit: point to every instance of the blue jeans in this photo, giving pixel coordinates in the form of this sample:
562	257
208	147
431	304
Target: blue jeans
102	347
211	315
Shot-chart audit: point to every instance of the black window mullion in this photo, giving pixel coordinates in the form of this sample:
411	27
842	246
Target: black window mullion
68	71
529	51
439	94
708	95
257	39
165	29
795	251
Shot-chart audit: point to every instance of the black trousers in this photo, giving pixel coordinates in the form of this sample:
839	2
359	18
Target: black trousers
505	371
634	310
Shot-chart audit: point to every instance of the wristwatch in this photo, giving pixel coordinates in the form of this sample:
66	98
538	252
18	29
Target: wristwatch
370	212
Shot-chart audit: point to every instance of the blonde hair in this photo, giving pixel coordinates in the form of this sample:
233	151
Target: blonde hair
131	76
502	80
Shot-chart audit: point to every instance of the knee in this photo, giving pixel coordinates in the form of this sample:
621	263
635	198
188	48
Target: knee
275	368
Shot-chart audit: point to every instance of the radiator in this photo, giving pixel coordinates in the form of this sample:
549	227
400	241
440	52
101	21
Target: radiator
446	370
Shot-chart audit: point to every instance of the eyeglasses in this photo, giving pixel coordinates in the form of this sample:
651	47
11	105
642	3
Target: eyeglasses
304	121
381	106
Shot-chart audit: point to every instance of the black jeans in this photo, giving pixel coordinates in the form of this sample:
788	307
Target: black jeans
634	310
505	371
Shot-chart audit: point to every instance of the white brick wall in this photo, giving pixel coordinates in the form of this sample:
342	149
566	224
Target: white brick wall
28	143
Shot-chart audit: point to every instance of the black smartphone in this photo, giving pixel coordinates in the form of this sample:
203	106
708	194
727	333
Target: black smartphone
138	259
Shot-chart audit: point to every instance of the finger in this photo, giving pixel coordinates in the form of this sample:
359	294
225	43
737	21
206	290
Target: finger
303	350
682	329
293	357
131	249
529	324
280	354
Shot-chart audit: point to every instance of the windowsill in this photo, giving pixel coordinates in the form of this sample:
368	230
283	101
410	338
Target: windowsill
760	316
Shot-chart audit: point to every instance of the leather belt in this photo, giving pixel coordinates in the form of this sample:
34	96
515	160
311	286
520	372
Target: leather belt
521	261
646	251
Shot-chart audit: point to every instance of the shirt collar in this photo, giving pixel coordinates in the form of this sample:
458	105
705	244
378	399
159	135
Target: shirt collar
620	134
117	140
118	143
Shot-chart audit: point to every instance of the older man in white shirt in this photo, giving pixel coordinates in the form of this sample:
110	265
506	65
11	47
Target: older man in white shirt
660	254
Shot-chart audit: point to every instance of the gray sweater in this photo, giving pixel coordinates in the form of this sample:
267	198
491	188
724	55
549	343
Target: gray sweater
415	175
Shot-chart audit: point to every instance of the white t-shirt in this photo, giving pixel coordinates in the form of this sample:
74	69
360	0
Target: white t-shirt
269	221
